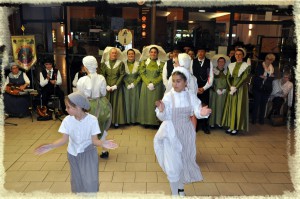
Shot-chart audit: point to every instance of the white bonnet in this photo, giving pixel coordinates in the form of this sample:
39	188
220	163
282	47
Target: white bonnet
90	63
184	71
184	60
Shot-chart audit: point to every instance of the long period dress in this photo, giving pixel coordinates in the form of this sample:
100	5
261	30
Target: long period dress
150	72
114	72
175	141
94	88
217	101
132	96
236	111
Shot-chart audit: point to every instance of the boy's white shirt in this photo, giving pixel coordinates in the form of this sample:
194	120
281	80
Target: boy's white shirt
80	132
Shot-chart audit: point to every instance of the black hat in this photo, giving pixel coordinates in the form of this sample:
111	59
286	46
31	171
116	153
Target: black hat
49	60
201	47
176	48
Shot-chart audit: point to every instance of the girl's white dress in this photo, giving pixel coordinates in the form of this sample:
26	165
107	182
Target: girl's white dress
175	141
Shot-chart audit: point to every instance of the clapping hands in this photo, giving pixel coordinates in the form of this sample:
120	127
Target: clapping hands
205	111
109	144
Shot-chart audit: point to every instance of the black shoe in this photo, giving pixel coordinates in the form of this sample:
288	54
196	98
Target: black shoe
228	131
104	155
116	126
206	131
234	132
181	192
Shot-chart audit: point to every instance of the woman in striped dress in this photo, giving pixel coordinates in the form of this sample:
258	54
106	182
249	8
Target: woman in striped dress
174	143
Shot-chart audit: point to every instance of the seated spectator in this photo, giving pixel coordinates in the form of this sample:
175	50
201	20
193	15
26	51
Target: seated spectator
78	75
50	80
282	92
16	102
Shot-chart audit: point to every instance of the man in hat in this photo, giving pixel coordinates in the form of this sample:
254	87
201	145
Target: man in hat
202	69
50	80
169	66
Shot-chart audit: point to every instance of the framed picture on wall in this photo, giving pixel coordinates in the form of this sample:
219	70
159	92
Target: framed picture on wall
270	44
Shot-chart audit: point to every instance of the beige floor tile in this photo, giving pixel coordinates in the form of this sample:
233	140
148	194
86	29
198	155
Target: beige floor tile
229	144
14	176
208	151
136	166
111	187
261	151
257	167
126	157
229	189
277	158
217	167
189	190
112	156
115	166
145	158
206	189
275	189
212	144
290	187
243	151
121	137
137	137
60	187
106	176
233	177
34	176
240	158
146	177
11	148
62	158
253	189
237	167
153	166
161	177
277	178
146	143
255	177
15	166
244	144
137	150
124	176
124	143
221	158
203	166
57	166
259	158
278	167
49	157
38	186
150	150
66	167
226	151
12	157
204	158
138	187
7	165
158	188
57	176
212	177
120	149
16	186
32	166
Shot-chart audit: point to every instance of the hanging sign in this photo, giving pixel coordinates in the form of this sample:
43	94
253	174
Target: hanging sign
24	51
125	36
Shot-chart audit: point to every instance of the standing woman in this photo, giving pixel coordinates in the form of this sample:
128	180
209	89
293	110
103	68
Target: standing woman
217	94
236	111
132	84
112	68
262	87
152	85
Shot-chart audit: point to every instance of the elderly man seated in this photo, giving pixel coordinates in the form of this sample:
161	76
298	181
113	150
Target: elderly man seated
16	102
282	91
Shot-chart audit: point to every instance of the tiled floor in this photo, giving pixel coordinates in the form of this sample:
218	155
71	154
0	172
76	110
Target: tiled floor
254	163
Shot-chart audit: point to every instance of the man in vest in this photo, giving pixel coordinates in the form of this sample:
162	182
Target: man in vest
202	69
169	66
50	79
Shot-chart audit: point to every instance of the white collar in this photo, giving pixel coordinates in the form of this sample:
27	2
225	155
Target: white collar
148	61
114	66
243	67
134	69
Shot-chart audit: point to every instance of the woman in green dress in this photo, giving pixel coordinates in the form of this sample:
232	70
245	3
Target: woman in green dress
113	70
152	86
236	112
132	84
217	94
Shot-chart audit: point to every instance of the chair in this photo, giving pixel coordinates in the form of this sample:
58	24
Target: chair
54	106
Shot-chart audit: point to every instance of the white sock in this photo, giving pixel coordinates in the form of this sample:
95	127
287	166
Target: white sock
174	188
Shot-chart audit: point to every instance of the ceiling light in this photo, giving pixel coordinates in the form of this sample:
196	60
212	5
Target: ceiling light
201	10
